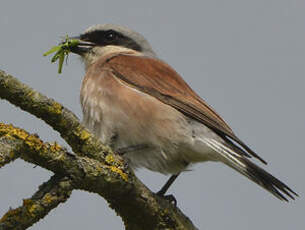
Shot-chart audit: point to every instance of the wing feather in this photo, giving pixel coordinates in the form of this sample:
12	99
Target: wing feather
156	78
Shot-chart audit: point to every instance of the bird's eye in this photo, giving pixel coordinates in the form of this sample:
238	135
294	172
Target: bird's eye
110	36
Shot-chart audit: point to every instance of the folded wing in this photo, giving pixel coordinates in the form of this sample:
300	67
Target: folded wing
159	80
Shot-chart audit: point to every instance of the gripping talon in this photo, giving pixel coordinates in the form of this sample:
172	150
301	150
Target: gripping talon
170	198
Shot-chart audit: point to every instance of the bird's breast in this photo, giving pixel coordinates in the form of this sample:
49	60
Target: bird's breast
122	116
109	102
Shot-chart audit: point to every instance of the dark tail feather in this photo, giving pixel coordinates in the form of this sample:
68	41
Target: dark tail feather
253	172
265	179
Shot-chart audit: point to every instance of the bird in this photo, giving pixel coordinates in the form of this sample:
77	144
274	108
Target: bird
142	108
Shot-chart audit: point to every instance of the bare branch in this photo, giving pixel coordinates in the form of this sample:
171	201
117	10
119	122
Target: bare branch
49	195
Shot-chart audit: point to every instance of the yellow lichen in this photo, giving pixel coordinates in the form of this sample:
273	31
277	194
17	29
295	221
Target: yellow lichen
19	133
84	134
11	131
55	147
33	209
120	172
109	159
48	198
115	165
114	159
56	108
34	142
30	206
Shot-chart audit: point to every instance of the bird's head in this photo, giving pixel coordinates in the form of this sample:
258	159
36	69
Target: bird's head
100	40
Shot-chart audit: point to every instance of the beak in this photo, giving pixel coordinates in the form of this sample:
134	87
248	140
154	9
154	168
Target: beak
82	47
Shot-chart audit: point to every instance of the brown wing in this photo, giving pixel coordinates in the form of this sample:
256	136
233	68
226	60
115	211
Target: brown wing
159	80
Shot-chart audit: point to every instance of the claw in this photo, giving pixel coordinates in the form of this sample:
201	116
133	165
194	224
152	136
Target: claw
170	198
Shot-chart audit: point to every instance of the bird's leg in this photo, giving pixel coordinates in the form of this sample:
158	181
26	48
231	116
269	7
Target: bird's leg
132	148
169	182
165	187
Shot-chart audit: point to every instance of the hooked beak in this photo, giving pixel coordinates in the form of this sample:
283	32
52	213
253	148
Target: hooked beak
82	47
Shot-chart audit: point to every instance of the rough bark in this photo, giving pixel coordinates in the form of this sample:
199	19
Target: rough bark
92	167
49	195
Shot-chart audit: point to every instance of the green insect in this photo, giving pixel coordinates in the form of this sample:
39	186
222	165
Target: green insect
62	51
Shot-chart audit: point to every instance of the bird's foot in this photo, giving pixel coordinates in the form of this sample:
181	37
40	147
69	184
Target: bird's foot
170	198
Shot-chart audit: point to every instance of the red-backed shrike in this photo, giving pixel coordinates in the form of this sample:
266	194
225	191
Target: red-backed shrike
135	102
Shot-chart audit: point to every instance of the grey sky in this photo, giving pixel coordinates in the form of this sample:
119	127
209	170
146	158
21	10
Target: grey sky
245	58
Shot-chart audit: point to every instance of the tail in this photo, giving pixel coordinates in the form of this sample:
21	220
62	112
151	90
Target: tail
252	171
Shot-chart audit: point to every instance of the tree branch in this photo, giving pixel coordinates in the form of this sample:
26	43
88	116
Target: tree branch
49	195
7	154
95	168
138	207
